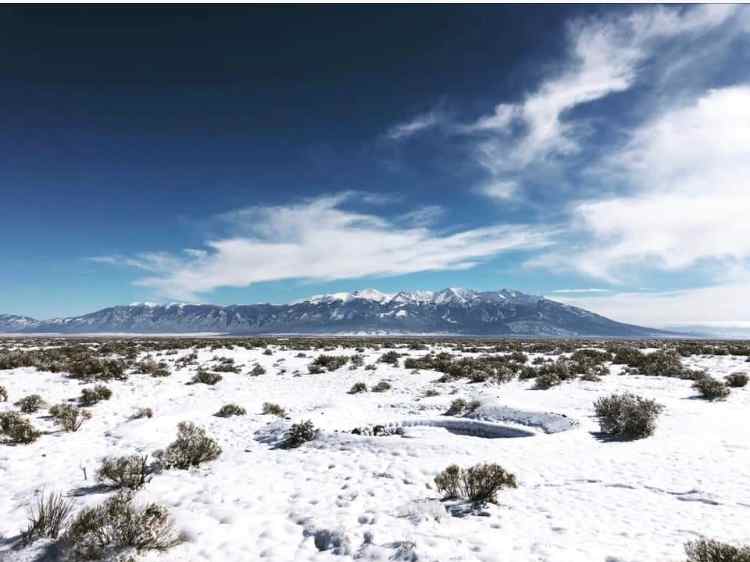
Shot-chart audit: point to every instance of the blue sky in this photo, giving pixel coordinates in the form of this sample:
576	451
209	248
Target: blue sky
594	154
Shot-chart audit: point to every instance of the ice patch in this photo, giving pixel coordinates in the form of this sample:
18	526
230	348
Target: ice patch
546	421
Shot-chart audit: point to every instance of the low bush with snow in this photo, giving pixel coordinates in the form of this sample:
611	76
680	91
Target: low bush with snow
192	448
707	550
478	483
627	416
711	388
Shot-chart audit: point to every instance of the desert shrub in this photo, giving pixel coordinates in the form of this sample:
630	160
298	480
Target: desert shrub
693	375
430	392
518	357
327	363
371	367
17	428
707	550
191	448
48	516
100	531
390	357
69	417
273	409
205	377
456	408
478	483
357	360
3	394
547	380
160	372
624	355
661	363
460	407
563	369
226	365
382	386
482	482
590	357
494	368
30	404
90	367
597	371
358	387
711	388
229	410
90	396
448	482
300	433
527	372
187	360
267	352
735	380
150	367
124	472
55	410
627	416
142	413
257	370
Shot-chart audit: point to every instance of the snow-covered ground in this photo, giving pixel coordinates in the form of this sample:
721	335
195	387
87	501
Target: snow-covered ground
578	498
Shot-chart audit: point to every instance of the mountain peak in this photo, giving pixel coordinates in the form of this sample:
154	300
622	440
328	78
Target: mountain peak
454	310
450	295
362	294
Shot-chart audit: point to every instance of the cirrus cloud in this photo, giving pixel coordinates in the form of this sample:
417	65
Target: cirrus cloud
319	239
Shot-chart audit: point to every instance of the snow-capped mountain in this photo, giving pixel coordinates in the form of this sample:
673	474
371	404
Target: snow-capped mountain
450	311
16	323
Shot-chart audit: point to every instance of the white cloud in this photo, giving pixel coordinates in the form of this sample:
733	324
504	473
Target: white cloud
320	240
498	190
573	291
604	57
720	305
422	216
416	125
688	170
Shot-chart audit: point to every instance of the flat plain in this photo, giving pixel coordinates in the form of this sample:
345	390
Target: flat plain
387	416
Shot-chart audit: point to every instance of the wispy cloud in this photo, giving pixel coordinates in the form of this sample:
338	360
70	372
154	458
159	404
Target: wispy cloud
422	216
687	170
319	239
418	124
574	291
499	190
718	304
603	58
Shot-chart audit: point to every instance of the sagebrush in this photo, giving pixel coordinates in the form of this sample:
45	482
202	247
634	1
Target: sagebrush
229	410
30	404
707	550
104	530
17	429
477	483
300	433
129	472
191	448
627	415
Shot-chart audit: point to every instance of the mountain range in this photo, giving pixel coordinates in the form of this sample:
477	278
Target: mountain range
451	311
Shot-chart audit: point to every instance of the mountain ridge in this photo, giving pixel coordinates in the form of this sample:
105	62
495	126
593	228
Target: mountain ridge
451	311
